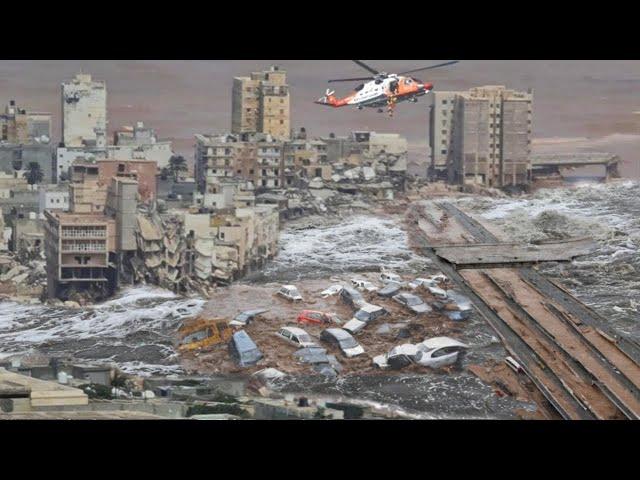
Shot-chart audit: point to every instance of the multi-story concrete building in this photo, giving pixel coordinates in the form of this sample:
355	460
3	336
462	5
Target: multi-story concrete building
20	126
265	169
481	136
142	143
78	249
254	157
305	158
261	103
217	156
84	111
440	123
143	171
87	194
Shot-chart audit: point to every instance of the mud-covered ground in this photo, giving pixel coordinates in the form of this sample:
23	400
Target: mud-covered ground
136	330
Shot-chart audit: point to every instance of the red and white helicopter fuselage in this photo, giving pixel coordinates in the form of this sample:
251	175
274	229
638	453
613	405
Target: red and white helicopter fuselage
381	89
379	93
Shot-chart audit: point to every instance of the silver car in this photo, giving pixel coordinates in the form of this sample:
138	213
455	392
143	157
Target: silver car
412	302
342	339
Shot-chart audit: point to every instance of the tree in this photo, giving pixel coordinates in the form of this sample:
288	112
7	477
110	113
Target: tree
177	164
34	173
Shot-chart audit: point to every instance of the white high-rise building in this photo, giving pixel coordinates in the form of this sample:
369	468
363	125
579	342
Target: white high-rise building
84	110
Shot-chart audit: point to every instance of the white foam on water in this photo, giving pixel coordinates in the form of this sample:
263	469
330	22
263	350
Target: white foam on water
140	309
360	242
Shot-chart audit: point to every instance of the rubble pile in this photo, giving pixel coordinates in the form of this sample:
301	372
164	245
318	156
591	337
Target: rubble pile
164	253
20	278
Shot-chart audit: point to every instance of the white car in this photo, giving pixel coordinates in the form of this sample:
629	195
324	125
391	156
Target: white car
290	292
296	337
438	292
364	285
386	277
332	290
438	277
440	351
435	352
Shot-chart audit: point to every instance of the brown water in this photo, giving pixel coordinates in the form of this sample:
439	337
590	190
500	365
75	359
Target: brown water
590	100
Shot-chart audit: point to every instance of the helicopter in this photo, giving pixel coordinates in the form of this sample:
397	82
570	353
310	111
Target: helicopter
381	89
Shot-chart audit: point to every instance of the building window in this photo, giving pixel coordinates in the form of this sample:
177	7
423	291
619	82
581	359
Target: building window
444	112
443	151
444	132
444	102
251	172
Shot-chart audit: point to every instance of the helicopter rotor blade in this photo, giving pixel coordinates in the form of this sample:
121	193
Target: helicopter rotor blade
367	67
351	79
429	68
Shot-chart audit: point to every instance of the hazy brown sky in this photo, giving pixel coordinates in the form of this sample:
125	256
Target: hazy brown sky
591	99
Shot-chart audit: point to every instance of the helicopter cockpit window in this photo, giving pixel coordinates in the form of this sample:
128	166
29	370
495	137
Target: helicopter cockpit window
407	81
359	87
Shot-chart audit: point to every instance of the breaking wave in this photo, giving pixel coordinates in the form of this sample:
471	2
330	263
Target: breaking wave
607	280
133	329
360	243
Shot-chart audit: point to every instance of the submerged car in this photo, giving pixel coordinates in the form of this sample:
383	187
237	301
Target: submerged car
440	351
244	318
389	290
364	285
332	290
412	302
438	292
290	292
352	297
434	353
314	317
296	337
362	317
243	350
343	340
462	304
398	357
419	282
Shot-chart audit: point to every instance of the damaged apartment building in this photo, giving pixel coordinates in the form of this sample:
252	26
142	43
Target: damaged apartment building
216	241
363	161
482	136
84	130
113	234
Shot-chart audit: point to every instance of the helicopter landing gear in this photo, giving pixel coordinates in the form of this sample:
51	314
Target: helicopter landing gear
360	107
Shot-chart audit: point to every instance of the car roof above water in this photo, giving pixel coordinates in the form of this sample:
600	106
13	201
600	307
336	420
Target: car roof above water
338	333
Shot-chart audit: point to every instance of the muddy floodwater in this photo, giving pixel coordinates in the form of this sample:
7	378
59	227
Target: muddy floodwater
136	329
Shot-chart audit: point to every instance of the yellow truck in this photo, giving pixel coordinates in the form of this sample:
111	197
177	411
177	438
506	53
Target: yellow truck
202	333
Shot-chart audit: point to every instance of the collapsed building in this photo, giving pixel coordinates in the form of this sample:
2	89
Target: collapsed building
301	175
